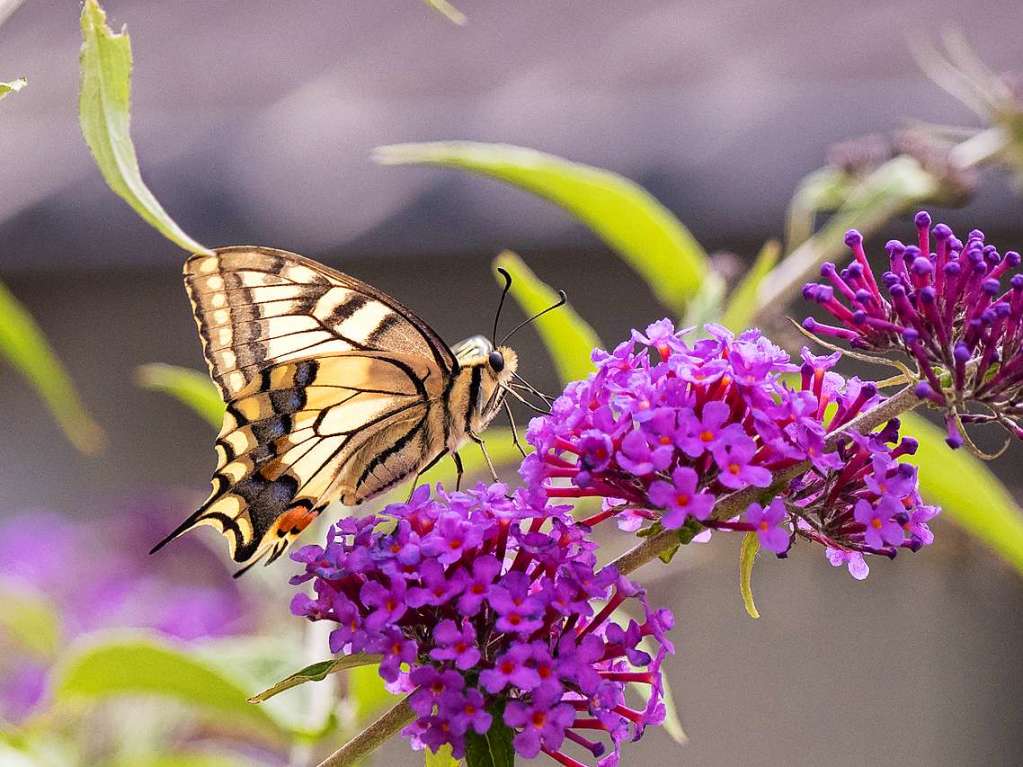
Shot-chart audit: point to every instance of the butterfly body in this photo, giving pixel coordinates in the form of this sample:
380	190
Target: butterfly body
334	391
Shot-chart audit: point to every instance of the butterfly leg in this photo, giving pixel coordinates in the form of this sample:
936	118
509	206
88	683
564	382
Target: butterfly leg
459	469
490	464
422	471
514	428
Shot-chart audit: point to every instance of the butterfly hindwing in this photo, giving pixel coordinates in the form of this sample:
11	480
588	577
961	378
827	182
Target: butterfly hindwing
259	306
302	434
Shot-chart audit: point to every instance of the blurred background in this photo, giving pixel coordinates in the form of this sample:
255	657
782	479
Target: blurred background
255	123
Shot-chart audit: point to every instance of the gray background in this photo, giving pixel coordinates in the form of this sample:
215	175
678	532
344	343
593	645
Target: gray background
254	122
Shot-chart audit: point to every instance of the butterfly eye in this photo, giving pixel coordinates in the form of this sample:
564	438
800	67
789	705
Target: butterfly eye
496	360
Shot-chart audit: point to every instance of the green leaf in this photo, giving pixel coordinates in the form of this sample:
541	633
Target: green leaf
493	749
569	339
706	304
967	490
446	9
366	690
104	113
742	303
821	190
443	758
26	348
627	217
12	86
190	387
30	619
316	672
747	556
142	665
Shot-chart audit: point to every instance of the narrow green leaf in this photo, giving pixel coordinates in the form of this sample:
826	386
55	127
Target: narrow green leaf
316	672
493	749
447	10
706	304
442	758
967	490
747	556
23	344
742	303
819	191
190	387
134	665
104	113
627	217
569	339
12	86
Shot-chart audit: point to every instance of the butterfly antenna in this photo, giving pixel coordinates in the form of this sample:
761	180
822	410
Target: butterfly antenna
529	387
526	402
562	300
500	304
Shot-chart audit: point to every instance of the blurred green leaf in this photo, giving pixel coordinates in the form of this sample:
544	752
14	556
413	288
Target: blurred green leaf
12	86
822	190
493	749
747	556
30	619
446	9
26	348
706	304
366	690
967	490
190	387
627	217
139	664
104	113
316	672
742	303
888	191
569	339
443	758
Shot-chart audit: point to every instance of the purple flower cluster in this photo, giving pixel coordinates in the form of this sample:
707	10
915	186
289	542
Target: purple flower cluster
490	608
664	428
947	309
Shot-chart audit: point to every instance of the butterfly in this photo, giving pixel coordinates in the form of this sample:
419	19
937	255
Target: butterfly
334	391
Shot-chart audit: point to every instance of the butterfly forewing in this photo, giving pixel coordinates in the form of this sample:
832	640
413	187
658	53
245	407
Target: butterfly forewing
258	306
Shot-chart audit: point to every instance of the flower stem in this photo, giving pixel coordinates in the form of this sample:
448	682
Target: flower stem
736	503
374	736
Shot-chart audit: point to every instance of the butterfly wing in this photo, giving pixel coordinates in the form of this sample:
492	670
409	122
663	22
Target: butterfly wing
334	390
259	306
305	433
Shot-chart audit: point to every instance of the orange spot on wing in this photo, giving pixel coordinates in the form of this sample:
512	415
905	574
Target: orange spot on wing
296	519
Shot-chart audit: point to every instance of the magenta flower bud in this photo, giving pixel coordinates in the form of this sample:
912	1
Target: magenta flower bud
853	238
947	316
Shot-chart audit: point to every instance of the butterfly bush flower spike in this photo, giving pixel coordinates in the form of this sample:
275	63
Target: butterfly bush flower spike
666	428
952	307
490	609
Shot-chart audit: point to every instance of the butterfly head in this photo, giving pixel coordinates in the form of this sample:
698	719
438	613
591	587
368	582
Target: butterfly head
498	369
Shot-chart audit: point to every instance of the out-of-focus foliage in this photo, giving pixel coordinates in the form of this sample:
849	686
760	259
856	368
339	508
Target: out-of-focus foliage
967	490
742	303
628	218
568	337
143	665
448	11
12	86
25	347
104	111
190	387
